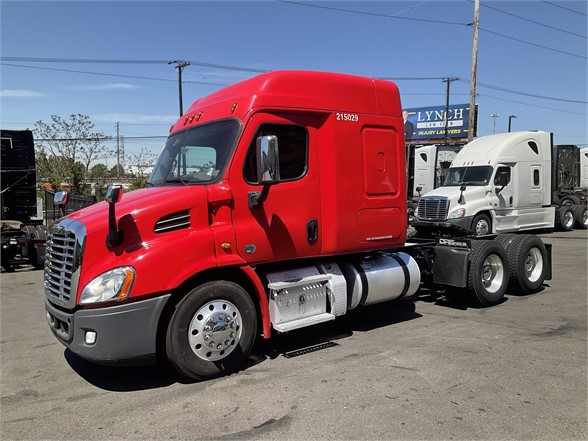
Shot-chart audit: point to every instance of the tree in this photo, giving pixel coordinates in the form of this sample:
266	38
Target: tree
140	162
67	147
117	171
99	177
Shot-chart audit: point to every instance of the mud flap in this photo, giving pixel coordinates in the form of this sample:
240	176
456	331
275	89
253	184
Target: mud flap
451	266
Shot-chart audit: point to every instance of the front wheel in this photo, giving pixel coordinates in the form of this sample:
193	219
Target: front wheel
488	272
211	331
481	225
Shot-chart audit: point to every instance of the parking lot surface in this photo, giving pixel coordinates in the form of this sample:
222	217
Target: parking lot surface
420	368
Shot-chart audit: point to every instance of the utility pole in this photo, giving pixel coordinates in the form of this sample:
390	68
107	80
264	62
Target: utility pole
509	119
180	64
448	81
494	116
474	71
118	151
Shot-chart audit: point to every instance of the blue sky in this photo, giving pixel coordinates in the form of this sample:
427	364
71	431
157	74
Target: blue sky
532	57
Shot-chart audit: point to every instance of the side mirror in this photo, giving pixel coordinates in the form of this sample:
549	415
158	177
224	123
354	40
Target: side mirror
268	160
461	199
113	194
60	198
502	179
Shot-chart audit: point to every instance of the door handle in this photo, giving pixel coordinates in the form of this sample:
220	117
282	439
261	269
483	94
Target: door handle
312	230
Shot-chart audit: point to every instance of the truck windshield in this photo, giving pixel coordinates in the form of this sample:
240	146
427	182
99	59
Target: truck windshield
195	156
479	175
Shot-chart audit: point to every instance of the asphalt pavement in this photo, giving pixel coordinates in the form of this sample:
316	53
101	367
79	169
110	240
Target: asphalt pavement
427	368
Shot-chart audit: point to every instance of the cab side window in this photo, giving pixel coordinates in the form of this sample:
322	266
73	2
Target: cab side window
293	148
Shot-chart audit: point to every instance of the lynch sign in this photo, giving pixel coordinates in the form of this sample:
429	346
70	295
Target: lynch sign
428	123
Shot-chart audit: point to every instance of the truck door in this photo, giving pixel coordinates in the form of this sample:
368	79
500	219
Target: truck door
287	224
505	196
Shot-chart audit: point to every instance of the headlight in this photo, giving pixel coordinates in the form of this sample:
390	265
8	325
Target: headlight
113	285
460	212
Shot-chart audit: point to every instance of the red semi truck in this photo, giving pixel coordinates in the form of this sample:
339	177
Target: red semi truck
277	203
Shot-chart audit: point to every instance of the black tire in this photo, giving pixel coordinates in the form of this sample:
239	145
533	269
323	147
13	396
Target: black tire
566	218
481	225
41	232
527	258
488	272
220	314
30	231
570	200
582	219
505	240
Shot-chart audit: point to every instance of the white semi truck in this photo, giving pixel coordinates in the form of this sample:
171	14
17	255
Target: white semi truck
501	184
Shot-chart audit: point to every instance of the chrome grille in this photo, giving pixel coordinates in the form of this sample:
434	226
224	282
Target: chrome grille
62	261
432	208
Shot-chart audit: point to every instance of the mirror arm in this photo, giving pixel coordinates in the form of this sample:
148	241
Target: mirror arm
257	198
115	236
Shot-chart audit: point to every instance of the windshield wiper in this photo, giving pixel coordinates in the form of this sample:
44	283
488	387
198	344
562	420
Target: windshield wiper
177	181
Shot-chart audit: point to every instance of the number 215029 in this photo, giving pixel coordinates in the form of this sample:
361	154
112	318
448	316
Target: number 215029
347	117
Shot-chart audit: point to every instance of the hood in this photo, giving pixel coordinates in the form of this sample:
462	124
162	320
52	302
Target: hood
475	198
454	192
147	204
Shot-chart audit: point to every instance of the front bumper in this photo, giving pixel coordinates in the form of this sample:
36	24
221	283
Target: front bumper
123	332
460	226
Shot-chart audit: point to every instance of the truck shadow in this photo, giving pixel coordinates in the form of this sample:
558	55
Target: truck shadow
121	378
134	378
313	337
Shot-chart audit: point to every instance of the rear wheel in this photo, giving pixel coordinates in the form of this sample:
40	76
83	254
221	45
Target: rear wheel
566	218
211	331
582	220
527	257
505	240
488	272
481	225
571	199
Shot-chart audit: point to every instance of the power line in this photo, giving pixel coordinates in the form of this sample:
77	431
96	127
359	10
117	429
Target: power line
126	61
226	84
432	21
533	44
516	92
563	7
530	105
373	14
111	74
531	21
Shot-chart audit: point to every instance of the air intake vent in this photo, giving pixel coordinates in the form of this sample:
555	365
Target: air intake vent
172	222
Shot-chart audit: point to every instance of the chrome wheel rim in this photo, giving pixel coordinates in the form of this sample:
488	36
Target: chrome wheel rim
215	330
533	264
493	273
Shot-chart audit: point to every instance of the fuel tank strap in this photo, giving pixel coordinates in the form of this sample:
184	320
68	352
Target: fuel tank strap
406	274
